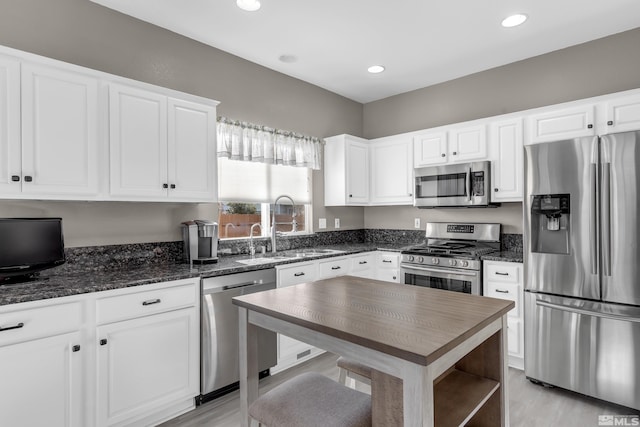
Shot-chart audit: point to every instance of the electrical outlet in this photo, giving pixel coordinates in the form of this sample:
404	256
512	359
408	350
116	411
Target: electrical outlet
416	222
337	223
322	223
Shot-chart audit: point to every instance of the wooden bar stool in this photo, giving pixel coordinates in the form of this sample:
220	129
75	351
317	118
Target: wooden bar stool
353	371
312	400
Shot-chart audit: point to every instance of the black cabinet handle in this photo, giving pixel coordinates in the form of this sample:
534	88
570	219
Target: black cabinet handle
362	262
8	328
350	195
501	274
501	291
151	301
589	126
610	122
455	153
103	341
336	267
15	178
173	186
165	185
75	348
444	155
495	189
28	178
387	260
298	274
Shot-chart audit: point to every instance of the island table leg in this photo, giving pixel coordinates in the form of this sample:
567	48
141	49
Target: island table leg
417	396
248	365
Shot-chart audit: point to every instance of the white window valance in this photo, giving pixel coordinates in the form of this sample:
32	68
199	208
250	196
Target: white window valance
254	143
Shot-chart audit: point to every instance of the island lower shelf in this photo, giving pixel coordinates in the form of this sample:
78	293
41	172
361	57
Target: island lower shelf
459	396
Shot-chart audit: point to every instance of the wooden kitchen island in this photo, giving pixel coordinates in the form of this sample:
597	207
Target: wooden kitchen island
438	356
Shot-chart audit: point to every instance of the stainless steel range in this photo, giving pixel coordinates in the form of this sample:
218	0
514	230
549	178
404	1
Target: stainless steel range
450	257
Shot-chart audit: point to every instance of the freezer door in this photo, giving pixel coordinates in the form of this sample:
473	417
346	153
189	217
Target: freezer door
563	167
589	347
620	207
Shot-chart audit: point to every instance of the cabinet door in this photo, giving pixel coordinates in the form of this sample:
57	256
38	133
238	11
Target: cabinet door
507	169
563	124
333	267
430	149
192	151
10	162
42	382
59	132
468	143
138	143
357	173
363	265
392	172
146	363
623	114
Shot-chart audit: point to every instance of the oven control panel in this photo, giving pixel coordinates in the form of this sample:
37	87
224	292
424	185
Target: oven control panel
441	261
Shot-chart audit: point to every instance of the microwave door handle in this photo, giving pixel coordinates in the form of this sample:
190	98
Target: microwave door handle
469	185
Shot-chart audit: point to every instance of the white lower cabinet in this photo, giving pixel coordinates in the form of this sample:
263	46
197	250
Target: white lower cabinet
140	367
363	265
504	280
388	266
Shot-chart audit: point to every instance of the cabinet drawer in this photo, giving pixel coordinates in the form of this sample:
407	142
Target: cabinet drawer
503	272
514	337
32	323
333	267
364	262
387	260
508	292
297	273
151	301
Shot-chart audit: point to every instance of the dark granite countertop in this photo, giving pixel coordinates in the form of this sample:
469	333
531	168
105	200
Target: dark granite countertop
52	285
505	256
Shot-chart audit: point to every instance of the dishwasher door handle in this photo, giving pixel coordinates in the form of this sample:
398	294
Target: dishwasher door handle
234	286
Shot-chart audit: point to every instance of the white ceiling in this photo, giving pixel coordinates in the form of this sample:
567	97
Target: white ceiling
420	42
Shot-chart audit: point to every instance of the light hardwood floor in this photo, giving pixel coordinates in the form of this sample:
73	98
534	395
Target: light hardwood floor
530	405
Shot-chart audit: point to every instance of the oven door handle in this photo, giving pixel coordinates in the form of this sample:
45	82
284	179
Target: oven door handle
439	270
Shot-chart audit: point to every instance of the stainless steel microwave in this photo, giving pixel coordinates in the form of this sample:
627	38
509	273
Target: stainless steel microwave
459	185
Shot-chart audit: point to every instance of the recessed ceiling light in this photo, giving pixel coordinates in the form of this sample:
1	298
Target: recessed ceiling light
375	69
514	20
248	5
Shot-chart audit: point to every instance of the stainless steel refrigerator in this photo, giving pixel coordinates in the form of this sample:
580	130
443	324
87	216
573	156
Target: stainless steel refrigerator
582	266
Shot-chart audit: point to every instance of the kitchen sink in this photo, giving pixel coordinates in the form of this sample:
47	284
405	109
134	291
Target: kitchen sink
264	260
316	252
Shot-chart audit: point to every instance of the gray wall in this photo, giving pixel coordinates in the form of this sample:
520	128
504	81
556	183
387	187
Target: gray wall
607	65
84	33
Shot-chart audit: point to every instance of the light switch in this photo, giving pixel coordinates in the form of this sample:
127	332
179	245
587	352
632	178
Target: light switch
322	223
337	223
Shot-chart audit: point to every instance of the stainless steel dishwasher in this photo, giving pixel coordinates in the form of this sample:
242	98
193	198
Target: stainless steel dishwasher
219	369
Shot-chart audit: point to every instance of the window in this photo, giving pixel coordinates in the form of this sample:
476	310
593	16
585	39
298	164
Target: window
247	192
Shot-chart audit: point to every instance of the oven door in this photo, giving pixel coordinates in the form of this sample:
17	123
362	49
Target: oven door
467	281
457	185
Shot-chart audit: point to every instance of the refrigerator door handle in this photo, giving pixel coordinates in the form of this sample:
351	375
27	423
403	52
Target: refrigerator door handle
570	309
606	219
593	231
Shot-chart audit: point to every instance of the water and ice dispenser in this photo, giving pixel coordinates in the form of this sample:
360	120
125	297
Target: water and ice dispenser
550	223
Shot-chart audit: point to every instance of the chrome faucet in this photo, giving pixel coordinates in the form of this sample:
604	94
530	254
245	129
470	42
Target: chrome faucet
294	224
252	248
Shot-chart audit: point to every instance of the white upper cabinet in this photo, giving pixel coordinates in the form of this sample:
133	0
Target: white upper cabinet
623	114
59	132
192	150
138	142
346	171
392	171
507	166
458	143
430	149
10	160
161	148
562	124
468	143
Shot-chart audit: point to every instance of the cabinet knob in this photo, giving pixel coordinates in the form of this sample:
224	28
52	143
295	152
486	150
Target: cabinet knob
495	189
350	195
28	178
165	185
15	178
610	122
173	186
410	194
444	155
589	126
455	153
103	341
75	348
